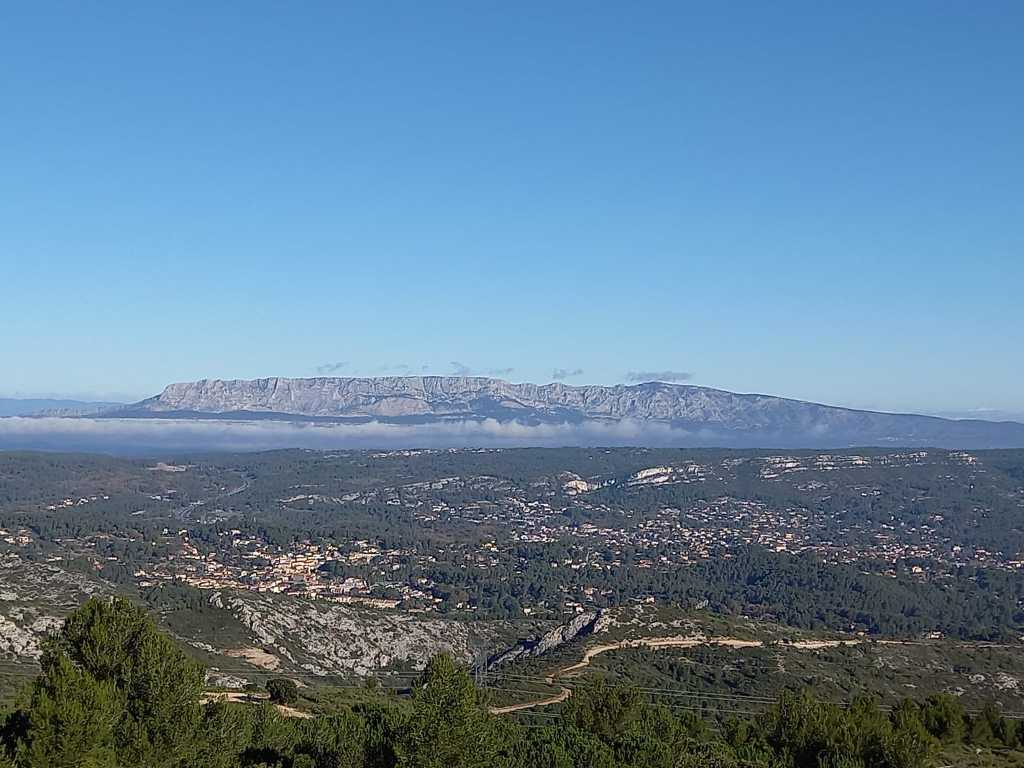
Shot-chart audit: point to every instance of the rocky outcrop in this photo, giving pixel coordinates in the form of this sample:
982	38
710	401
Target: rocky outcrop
583	625
327	639
22	633
34	598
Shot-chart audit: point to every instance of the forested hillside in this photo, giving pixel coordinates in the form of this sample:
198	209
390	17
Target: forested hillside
116	692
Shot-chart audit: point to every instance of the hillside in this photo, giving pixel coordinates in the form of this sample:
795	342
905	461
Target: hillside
114	691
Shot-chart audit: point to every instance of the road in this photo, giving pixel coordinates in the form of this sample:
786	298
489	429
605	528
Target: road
185	513
691	641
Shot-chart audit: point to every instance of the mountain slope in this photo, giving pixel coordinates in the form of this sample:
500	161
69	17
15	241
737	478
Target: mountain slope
704	415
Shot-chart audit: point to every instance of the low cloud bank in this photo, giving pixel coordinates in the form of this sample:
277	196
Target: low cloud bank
160	436
149	435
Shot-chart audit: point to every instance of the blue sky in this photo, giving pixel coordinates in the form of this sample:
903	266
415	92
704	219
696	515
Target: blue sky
795	198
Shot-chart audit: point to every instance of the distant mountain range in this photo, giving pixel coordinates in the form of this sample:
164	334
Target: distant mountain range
12	406
694	415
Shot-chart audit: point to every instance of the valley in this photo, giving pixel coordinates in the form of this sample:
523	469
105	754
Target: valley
787	569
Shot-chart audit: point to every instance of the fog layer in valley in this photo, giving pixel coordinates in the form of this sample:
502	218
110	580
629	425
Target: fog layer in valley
133	436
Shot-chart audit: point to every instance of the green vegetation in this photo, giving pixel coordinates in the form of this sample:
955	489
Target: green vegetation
838	674
895	545
115	692
282	690
885	545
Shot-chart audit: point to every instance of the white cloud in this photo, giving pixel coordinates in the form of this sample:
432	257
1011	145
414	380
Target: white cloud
560	374
640	377
328	369
146	435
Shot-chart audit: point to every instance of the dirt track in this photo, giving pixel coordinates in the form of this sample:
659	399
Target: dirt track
558	698
655	642
239	697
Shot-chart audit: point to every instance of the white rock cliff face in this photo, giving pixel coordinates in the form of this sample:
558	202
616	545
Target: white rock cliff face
332	639
705	416
461	396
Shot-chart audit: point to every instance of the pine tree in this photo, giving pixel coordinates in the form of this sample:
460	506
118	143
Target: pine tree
449	727
113	689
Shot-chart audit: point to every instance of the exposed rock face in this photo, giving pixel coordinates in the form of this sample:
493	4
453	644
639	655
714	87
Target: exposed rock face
581	626
22	633
460	396
700	416
34	597
333	639
443	396
280	631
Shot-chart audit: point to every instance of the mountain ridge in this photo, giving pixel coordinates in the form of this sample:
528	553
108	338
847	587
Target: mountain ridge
723	418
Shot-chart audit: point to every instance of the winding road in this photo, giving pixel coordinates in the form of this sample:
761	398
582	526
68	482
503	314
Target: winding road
691	641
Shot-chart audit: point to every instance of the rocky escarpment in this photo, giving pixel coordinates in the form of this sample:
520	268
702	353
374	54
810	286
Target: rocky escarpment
583	625
324	639
34	598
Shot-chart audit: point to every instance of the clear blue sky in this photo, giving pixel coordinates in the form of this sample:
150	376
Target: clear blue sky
818	200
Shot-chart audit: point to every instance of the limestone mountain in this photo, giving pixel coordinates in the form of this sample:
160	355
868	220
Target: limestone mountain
698	415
